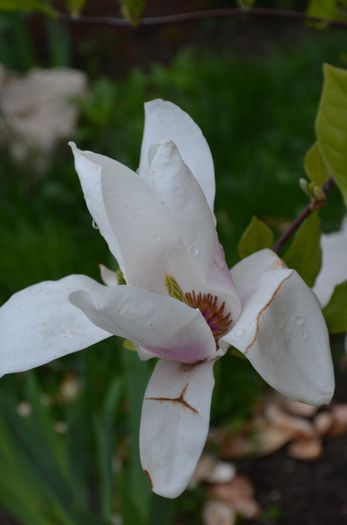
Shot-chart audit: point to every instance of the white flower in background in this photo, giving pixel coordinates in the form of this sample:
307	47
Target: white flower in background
181	304
334	265
37	110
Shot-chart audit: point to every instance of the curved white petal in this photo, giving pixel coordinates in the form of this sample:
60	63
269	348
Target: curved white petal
174	424
162	325
246	273
164	120
90	177
334	264
282	332
38	324
173	183
109	277
146	235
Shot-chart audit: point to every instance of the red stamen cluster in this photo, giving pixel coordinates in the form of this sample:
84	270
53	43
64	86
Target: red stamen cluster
218	320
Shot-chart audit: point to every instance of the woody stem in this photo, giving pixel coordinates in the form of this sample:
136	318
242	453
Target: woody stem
313	205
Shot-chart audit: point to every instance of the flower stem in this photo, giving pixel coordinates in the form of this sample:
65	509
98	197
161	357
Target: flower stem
313	205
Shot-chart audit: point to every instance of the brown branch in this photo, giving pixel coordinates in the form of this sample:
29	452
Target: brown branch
257	12
306	212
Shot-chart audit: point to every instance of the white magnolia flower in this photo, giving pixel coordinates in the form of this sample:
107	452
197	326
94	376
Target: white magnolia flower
181	304
334	265
37	110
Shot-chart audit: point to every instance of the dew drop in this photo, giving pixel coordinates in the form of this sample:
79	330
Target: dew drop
299	320
239	332
194	250
95	226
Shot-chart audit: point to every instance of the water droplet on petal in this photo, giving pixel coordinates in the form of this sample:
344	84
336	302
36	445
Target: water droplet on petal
239	332
95	226
194	250
299	320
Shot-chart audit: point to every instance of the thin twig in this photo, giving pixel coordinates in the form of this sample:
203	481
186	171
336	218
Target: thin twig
258	12
306	212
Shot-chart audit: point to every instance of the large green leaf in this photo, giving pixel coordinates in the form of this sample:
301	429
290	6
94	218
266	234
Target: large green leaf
304	254
314	165
256	236
335	312
331	125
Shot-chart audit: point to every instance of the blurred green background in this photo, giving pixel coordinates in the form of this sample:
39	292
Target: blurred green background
68	431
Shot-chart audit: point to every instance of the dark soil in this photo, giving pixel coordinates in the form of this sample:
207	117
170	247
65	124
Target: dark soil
294	492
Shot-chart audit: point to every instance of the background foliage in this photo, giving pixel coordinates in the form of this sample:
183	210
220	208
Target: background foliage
75	460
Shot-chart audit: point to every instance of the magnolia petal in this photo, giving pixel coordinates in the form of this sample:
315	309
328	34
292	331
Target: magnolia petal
283	333
160	324
148	244
38	324
246	273
164	120
173	183
174	424
89	173
334	264
108	276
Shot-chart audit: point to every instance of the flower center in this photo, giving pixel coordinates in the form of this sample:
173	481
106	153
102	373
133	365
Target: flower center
213	310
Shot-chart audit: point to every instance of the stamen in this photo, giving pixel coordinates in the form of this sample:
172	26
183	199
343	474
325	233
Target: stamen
215	315
214	312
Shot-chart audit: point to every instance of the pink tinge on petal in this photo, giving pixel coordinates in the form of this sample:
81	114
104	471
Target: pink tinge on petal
161	325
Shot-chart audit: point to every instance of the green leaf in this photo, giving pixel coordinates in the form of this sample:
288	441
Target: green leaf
256	236
105	438
304	254
314	165
26	5
331	125
136	375
162	511
335	312
322	9
75	6
132	10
